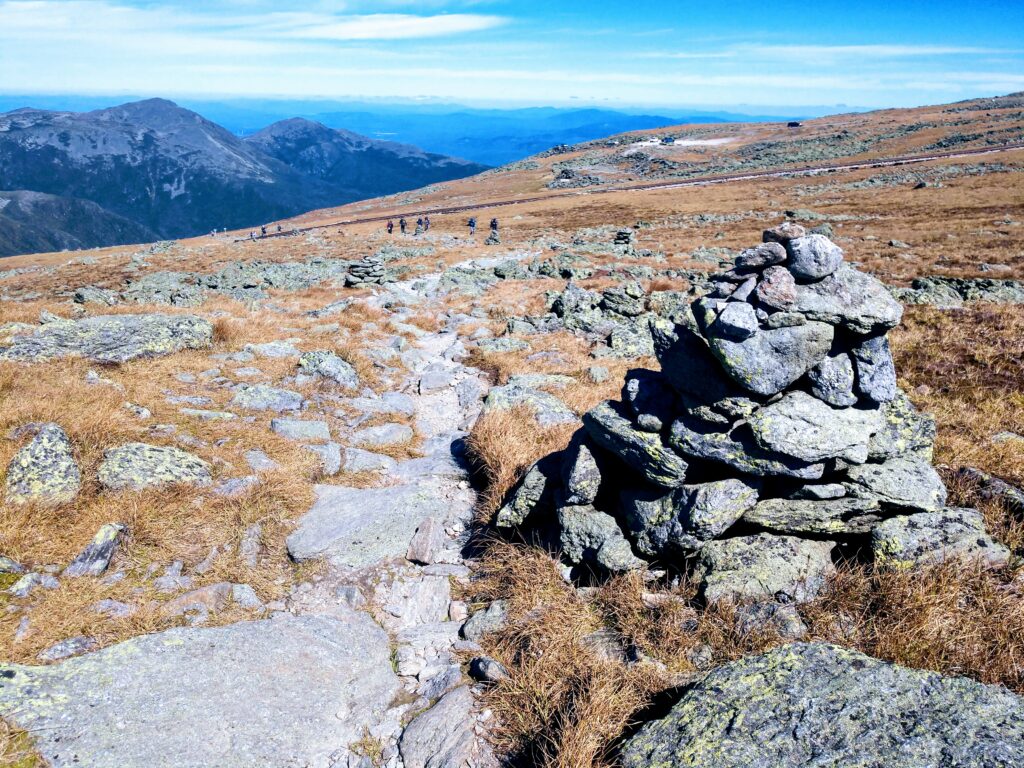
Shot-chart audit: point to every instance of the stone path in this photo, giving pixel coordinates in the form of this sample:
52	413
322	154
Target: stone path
363	652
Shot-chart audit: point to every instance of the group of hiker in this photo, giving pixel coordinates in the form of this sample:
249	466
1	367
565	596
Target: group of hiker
263	232
423	225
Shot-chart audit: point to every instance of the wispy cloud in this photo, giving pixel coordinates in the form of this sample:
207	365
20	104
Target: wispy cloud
812	54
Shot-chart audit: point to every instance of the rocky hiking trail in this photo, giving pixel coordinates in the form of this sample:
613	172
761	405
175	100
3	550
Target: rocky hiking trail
359	666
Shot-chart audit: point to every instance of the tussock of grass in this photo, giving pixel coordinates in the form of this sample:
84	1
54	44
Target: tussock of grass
503	445
16	750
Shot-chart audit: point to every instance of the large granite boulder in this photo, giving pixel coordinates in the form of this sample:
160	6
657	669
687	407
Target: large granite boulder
111	338
813	705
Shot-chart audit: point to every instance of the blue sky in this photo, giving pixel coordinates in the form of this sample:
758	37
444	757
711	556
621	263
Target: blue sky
637	53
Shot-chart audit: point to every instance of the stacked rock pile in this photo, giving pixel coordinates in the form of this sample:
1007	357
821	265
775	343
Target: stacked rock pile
625	237
774	433
366	271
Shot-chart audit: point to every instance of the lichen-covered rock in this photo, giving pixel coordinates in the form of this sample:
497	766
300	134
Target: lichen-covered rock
94	559
933	537
548	410
650	398
903	430
644	452
848	298
534	491
810	430
904	482
816	517
832	381
770	360
737	449
689	366
45	470
263	397
327	365
683	519
813	705
135	466
581	476
111	338
763	567
589	535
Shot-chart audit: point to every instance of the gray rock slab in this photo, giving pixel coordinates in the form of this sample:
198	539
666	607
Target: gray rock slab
358	460
905	483
111	338
811	705
94	559
361	526
299	429
827	517
589	535
383	435
809	430
770	360
763	567
548	410
927	538
444	736
645	452
263	397
327	365
233	697
136	466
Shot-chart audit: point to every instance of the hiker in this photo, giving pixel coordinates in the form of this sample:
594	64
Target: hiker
278	229
472	226
494	226
402	224
391	227
426	223
263	231
419	226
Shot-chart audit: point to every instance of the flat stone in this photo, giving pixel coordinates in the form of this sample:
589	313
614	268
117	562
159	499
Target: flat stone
809	430
644	452
361	526
65	649
737	321
691	369
589	535
502	344
548	410
809	705
738	449
491	619
95	558
534	491
904	483
298	429
111	338
846	516
428	540
783	233
234	697
44	471
258	461
927	538
444	736
849	298
764	255
136	466
763	567
323	364
383	435
813	257
903	430
772	359
273	349
358	460
263	397
329	455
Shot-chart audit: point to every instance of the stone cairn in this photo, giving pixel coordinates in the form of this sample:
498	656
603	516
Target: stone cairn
774	433
369	270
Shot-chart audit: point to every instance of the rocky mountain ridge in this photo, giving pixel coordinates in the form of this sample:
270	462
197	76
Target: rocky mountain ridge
175	174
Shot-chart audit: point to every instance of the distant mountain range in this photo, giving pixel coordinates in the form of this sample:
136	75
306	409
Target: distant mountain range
151	169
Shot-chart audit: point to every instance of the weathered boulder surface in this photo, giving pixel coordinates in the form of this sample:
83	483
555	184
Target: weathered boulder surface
111	338
236	696
932	537
45	470
814	704
135	466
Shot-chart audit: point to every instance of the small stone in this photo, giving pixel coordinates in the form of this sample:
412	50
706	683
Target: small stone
876	372
258	461
484	669
813	257
245	596
783	233
67	648
428	540
904	483
644	452
737	321
329	455
327	365
771	360
23	586
263	397
548	410
95	558
297	429
783	620
482	622
832	381
589	535
767	254
383	435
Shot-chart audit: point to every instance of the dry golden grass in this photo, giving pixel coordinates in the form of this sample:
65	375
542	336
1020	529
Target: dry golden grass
16	749
502	446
